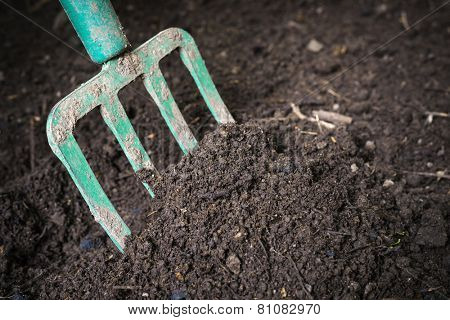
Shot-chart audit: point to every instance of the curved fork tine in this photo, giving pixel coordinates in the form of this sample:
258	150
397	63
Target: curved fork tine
102	209
117	120
194	63
160	92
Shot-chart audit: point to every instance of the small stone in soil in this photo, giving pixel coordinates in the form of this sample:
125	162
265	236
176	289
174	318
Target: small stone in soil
314	46
233	263
388	183
308	287
86	244
240	234
179	276
18	296
178	295
382	8
330	253
370	145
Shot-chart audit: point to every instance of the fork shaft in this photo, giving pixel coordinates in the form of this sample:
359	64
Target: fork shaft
98	27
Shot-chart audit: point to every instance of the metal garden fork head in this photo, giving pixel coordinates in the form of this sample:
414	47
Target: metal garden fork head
101	33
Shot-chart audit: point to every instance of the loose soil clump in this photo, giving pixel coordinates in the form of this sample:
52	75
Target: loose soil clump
264	213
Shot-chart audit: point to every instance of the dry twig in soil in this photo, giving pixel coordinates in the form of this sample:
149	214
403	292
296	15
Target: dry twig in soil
333	117
301	116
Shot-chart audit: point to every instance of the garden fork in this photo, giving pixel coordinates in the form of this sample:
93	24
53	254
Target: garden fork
100	31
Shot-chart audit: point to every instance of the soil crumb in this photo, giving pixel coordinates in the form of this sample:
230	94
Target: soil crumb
261	213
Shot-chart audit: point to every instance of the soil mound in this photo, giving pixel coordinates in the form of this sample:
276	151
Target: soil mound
266	213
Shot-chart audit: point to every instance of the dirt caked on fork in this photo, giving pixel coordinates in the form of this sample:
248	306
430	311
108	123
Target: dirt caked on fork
100	31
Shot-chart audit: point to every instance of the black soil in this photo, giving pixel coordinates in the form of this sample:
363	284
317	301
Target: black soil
239	219
275	207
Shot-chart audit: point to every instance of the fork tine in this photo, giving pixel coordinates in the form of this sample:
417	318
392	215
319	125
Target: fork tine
159	90
117	120
101	207
193	61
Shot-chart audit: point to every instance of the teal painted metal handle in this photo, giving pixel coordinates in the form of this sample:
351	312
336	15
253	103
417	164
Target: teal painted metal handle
98	27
